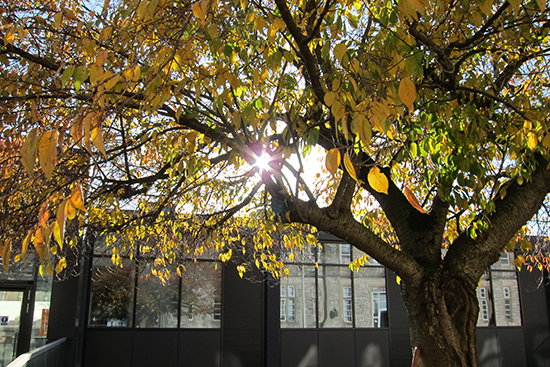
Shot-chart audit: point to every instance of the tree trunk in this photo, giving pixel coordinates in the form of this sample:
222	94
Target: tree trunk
443	313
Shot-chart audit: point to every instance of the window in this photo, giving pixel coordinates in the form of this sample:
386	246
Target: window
507	309
288	305
330	295
484	310
345	254
190	313
506	291
348	307
283	309
291	292
347	292
483	292
380	309
504	259
291	310
217	314
190	301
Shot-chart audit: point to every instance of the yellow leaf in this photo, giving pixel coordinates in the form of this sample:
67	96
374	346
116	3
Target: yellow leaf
61	264
542	5
349	167
49	269
199	9
398	280
515	5
9	37
412	200
39	245
110	79
76	198
28	151
363	128
332	160
77	130
532	140
407	93
47	149
97	139
6	252
70	210
546	141
25	245
378	181
340	50
59	229
338	110
329	98
519	261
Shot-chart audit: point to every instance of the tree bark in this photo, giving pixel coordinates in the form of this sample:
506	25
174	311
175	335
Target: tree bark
442	312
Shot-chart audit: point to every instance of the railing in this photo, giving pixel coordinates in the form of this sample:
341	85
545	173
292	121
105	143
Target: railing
49	355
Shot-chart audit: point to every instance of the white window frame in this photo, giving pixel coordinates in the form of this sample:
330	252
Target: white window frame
283	310
291	291
506	291
508	309
217	310
378	306
345	253
291	310
348	310
484	310
283	291
482	292
347	292
504	259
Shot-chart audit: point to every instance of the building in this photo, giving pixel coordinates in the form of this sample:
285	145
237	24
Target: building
322	314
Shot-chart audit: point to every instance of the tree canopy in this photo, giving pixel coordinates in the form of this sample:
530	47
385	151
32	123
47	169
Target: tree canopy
150	117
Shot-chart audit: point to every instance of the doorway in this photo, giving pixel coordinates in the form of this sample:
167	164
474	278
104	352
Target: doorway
15	321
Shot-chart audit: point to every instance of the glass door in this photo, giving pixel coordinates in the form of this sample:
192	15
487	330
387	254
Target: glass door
13	323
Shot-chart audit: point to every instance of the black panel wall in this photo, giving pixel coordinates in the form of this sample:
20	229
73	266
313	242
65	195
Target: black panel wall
243	337
372	348
152	347
535	308
299	348
336	347
400	343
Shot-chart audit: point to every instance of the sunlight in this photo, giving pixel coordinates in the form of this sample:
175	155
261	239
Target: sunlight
262	161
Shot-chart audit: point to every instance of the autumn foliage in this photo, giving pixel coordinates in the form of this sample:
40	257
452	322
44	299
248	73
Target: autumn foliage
147	119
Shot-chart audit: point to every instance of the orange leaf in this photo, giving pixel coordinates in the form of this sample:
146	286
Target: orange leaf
39	244
77	199
332	160
6	252
412	200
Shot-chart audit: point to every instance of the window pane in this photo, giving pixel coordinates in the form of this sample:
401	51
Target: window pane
201	294
41	312
156	303
370	306
507	309
302	280
330	254
345	254
331	284
112	294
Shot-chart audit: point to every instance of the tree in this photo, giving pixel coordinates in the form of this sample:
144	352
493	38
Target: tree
149	105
